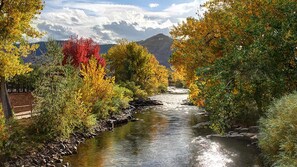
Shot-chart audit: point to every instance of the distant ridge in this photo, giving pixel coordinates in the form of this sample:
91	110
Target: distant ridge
159	45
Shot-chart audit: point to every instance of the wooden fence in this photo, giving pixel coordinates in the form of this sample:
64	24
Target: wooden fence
19	88
22	104
26	111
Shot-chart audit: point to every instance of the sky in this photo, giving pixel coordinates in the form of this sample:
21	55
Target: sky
107	21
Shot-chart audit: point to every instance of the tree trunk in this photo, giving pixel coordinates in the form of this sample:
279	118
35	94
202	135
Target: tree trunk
6	106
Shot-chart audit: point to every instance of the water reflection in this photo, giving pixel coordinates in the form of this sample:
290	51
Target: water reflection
210	153
164	137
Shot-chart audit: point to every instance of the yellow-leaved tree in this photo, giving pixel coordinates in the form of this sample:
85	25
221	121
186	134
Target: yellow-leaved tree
15	19
136	69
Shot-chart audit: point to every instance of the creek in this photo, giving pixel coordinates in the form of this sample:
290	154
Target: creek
165	136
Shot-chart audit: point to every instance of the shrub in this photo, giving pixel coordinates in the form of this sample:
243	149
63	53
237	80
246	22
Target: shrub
138	93
58	102
97	90
278	132
121	97
58	98
10	136
119	101
3	129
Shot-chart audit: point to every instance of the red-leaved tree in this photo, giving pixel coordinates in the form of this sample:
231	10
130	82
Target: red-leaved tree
80	51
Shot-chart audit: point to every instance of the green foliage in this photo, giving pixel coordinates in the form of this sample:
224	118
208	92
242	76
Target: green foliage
278	131
3	129
241	55
121	97
13	139
119	101
138	93
58	98
136	69
69	99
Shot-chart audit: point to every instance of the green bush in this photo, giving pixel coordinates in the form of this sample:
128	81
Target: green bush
138	93
58	103
278	132
58	98
101	109
11	136
3	129
122	97
119	101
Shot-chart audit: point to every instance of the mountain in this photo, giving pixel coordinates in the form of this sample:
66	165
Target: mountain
159	45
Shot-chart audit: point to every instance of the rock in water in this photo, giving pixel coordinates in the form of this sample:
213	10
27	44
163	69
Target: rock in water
145	102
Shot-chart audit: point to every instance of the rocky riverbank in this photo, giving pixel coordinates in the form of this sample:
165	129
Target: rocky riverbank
237	132
240	133
51	153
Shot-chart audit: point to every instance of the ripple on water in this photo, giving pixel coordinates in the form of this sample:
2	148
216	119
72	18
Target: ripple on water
209	153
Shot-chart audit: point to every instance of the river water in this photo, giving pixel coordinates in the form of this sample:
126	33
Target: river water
165	136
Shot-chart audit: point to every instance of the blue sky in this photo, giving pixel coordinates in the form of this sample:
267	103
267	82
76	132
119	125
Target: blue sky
109	20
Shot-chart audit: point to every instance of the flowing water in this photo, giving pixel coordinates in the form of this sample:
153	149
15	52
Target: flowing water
165	136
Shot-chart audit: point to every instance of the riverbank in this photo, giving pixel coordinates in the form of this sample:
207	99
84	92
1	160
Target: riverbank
241	133
50	153
250	133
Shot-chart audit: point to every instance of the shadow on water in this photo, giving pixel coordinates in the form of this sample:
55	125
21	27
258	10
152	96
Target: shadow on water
164	136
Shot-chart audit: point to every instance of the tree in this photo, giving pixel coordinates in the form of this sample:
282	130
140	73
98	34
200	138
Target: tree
240	56
15	19
133	66
57	95
79	51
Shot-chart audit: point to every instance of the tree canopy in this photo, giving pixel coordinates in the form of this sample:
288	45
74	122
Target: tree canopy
15	19
239	56
131	62
79	51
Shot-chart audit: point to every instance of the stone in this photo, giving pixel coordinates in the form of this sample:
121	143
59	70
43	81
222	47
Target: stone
62	146
74	150
201	125
187	102
134	119
248	134
59	161
255	137
66	164
254	129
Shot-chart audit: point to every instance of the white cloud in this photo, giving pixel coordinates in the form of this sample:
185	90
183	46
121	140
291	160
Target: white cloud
107	22
153	5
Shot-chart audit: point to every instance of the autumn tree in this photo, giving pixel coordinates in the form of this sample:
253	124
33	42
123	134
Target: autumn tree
79	50
15	19
58	97
239	56
133	66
